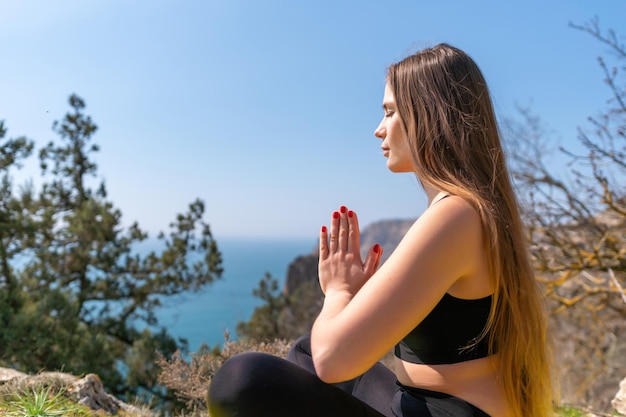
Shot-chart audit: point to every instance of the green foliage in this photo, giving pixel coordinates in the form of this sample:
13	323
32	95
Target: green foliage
265	321
74	293
282	315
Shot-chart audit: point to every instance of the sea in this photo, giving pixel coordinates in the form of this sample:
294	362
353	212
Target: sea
204	316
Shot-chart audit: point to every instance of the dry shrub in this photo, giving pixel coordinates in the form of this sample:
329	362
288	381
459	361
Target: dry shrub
190	379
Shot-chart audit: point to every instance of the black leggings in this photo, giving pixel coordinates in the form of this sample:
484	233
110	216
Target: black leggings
256	385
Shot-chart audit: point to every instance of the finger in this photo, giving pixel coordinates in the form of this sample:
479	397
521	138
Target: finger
323	242
354	236
373	259
378	259
334	232
344	228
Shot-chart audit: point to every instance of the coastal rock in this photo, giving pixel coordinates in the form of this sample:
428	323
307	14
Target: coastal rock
301	270
619	402
387	233
87	390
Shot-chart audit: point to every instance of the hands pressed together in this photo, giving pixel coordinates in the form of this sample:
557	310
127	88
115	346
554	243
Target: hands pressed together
340	265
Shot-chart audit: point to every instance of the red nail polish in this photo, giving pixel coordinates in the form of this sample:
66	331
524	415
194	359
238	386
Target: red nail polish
343	209
335	215
350	213
324	229
376	248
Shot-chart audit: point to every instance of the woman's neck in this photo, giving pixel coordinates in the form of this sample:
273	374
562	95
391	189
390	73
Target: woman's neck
434	195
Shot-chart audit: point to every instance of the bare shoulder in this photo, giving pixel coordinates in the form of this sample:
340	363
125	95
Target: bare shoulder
453	216
460	237
456	207
446	240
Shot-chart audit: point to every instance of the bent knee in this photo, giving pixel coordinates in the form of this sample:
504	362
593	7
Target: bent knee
236	382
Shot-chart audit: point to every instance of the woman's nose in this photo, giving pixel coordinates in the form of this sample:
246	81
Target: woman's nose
380	131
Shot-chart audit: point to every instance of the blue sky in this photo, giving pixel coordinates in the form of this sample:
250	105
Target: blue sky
266	109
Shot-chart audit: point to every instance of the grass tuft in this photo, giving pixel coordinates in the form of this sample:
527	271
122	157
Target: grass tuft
41	402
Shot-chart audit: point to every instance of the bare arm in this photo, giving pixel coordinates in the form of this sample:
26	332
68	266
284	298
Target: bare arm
366	312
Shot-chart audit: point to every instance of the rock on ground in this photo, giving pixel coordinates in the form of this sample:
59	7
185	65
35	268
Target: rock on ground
619	402
87	390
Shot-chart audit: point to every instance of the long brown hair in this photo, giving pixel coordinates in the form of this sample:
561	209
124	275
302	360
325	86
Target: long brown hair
447	113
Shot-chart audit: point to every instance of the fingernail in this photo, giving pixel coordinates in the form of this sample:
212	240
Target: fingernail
335	215
343	209
376	248
323	229
350	213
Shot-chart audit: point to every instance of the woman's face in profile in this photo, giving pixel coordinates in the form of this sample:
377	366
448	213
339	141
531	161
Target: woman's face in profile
395	145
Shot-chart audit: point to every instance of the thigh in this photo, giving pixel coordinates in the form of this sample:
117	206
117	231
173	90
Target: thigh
256	384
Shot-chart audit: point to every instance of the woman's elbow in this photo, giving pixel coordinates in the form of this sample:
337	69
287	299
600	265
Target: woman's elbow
328	367
329	373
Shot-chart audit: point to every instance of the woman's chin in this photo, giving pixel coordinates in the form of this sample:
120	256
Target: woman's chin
396	169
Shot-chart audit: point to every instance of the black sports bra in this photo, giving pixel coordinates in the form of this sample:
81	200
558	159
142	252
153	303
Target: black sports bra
444	335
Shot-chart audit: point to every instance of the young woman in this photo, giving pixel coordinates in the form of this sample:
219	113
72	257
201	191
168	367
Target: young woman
457	300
